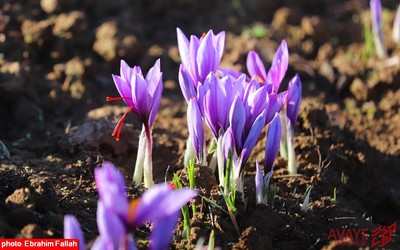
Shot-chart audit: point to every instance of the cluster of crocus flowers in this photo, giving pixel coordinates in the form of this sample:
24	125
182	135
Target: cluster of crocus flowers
234	106
117	217
142	95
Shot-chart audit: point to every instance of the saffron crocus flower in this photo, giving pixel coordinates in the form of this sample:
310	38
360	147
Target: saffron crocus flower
288	120
196	134
377	28
199	57
142	95
396	26
72	230
276	73
159	205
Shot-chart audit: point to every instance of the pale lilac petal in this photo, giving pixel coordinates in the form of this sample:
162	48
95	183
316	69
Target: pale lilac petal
228	142
109	224
293	99
279	66
255	66
111	187
72	230
102	243
272	145
396	26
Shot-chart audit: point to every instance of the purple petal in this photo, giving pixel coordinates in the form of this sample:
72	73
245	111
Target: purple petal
141	97
228	142
279	66
153	77
253	136
376	14
273	141
255	66
256	104
293	99
102	243
195	124
124	89
186	83
183	47
111	187
219	43
109	224
161	196
237	120
156	102
207	57
72	230
193	51
275	104
259	179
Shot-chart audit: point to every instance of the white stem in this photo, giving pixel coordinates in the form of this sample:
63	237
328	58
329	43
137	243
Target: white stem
148	163
213	162
283	146
220	160
138	174
190	153
292	162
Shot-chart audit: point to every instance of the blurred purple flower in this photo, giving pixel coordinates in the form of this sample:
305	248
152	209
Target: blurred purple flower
111	187
377	28
72	230
141	94
160	205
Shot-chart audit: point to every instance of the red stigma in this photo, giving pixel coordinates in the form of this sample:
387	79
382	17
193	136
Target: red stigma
132	209
118	127
203	35
110	99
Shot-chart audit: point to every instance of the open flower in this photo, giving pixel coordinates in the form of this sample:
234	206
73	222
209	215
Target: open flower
142	95
159	205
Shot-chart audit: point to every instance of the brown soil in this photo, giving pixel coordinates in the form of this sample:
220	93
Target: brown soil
56	61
